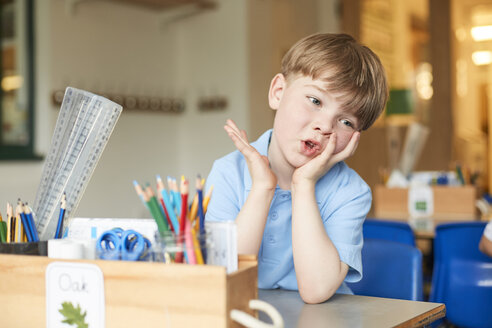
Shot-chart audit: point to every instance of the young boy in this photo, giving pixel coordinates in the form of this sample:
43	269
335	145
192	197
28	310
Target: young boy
297	205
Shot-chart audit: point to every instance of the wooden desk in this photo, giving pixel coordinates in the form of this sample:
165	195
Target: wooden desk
351	311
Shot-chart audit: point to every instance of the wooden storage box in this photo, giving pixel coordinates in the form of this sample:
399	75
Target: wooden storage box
137	294
450	203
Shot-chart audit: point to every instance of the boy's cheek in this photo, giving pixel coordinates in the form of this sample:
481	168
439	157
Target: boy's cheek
340	146
342	143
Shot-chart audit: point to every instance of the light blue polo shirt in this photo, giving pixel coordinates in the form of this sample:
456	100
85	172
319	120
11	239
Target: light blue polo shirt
344	200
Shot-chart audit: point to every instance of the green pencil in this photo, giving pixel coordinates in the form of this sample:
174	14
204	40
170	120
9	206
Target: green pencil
3	231
155	211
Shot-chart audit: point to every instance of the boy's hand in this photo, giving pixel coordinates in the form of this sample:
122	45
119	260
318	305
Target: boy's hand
259	167
319	165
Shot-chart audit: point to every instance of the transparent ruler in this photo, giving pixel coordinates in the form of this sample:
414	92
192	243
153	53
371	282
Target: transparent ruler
82	130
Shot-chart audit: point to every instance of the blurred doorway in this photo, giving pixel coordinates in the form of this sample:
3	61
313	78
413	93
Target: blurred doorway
472	92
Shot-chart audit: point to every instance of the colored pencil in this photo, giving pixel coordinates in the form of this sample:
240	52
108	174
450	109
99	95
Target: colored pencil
201	214
164	209
140	192
155	211
182	222
9	223
184	205
198	251
168	204
18	227
19	209
206	200
175	197
61	217
190	249
30	221
194	209
3	230
162	192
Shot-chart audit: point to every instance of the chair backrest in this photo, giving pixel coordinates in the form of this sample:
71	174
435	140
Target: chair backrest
462	275
389	230
390	269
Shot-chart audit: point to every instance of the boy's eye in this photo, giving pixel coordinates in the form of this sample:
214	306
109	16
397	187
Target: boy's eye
347	123
314	101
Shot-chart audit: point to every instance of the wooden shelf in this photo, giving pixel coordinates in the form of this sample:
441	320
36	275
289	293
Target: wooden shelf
169	4
174	9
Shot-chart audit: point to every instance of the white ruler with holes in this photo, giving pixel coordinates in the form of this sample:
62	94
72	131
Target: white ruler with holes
82	130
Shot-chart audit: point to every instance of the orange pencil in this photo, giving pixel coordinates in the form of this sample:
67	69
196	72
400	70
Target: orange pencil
193	209
206	199
194	205
198	251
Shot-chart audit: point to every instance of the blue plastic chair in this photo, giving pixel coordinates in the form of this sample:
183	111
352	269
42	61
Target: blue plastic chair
390	269
462	275
389	230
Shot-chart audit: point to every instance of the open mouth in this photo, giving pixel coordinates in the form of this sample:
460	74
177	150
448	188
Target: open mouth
311	147
310	144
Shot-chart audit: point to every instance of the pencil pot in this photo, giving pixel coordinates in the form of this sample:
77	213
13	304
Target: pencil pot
32	248
192	248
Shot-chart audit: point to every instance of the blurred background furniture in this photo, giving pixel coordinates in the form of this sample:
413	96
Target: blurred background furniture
391	269
462	275
389	230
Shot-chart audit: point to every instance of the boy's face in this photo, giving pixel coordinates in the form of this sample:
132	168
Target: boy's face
307	115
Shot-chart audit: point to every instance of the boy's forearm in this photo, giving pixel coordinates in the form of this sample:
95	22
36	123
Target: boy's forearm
318	267
251	220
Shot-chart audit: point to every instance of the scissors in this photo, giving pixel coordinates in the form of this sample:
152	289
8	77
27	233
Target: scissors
119	244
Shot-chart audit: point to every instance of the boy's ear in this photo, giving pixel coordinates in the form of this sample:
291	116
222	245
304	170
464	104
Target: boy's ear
277	87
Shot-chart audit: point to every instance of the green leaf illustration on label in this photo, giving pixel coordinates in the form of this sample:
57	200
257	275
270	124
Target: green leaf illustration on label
73	315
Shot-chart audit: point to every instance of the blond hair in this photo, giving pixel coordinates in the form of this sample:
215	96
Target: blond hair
352	72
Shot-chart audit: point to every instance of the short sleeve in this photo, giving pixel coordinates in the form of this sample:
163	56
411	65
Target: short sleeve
225	201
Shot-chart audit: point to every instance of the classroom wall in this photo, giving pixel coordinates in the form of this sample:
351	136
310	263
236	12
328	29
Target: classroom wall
134	51
106	46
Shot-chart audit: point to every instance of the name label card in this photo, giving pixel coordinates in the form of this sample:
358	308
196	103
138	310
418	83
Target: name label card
74	295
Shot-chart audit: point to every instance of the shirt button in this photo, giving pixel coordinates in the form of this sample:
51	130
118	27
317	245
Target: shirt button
285	196
271	239
274	215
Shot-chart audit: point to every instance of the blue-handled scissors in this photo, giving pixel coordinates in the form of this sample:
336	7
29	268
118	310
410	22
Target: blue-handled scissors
119	244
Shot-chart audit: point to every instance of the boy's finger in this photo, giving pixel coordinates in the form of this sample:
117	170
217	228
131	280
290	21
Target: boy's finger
244	135
236	137
242	145
241	133
330	147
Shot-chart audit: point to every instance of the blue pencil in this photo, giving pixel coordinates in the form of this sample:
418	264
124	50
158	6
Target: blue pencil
201	215
59	226
140	192
175	196
23	217
30	221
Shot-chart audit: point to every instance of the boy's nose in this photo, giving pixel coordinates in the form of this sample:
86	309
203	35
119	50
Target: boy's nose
323	127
